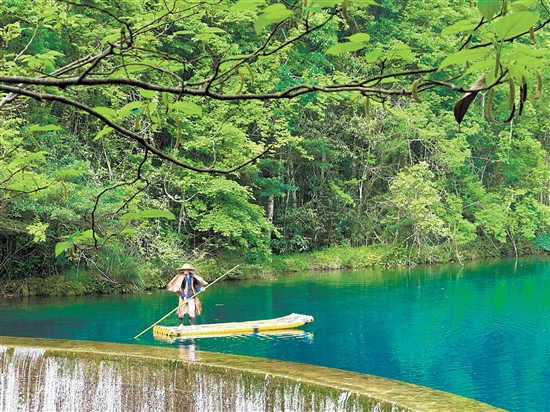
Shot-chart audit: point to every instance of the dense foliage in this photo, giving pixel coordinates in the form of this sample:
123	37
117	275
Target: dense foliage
136	135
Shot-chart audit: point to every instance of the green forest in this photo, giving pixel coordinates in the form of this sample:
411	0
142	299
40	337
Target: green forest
277	135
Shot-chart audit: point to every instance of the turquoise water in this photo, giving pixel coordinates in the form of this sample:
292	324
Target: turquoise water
482	331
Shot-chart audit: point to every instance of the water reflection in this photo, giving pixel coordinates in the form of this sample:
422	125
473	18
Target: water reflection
271	335
188	350
481	331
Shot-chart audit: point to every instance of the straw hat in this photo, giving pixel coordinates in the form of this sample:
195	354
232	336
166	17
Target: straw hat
186	266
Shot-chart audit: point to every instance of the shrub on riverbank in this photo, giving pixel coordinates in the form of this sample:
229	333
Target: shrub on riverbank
131	275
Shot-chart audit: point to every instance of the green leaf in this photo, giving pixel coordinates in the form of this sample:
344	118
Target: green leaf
465	55
130	68
515	24
148	94
490	77
459	26
38	128
488	8
327	3
482	65
246	69
29	184
247	4
129	108
105	111
212	30
106	129
366	3
275	13
518	73
31	157
71	172
227	64
344	47
148	214
157	213
359	37
529	61
540	53
61	247
183	32
187	107
402	51
518	6
130	216
373	55
87	234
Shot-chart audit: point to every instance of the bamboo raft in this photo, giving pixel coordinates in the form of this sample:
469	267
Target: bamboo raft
294	320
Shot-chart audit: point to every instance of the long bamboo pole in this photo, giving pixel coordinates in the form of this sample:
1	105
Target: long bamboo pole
177	307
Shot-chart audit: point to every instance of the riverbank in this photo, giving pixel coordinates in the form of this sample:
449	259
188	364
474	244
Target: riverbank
148	276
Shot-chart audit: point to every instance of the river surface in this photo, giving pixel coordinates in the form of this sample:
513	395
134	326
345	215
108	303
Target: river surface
482	331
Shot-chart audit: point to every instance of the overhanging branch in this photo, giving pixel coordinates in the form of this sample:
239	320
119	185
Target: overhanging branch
128	133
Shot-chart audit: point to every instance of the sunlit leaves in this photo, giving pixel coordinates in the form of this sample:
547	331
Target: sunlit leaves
105	111
414	192
344	47
529	61
518	73
460	26
147	214
31	182
71	172
207	33
61	247
44	61
88	237
38	128
359	38
189	108
29	159
521	5
275	13
106	130
356	42
365	3
399	52
488	8
513	25
38	231
247	4
482	65
465	55
10	31
327	3
148	94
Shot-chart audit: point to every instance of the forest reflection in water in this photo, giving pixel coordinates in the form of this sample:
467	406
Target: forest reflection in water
480	331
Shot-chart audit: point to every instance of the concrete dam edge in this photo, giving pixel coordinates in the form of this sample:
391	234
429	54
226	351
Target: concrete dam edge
67	375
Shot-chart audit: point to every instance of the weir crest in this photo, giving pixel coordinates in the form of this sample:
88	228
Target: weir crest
67	376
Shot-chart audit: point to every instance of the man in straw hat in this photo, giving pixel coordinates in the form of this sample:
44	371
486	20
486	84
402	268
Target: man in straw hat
187	285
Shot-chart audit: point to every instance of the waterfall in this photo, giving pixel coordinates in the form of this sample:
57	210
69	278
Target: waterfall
33	380
51	375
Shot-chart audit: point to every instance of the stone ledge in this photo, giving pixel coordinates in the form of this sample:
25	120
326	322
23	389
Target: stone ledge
271	384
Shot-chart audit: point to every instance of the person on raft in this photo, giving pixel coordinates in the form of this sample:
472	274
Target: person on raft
187	285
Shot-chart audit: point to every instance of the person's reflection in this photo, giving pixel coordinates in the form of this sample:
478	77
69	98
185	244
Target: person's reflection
188	353
191	351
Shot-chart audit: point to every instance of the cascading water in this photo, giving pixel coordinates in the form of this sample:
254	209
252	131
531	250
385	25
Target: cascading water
33	380
40	375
